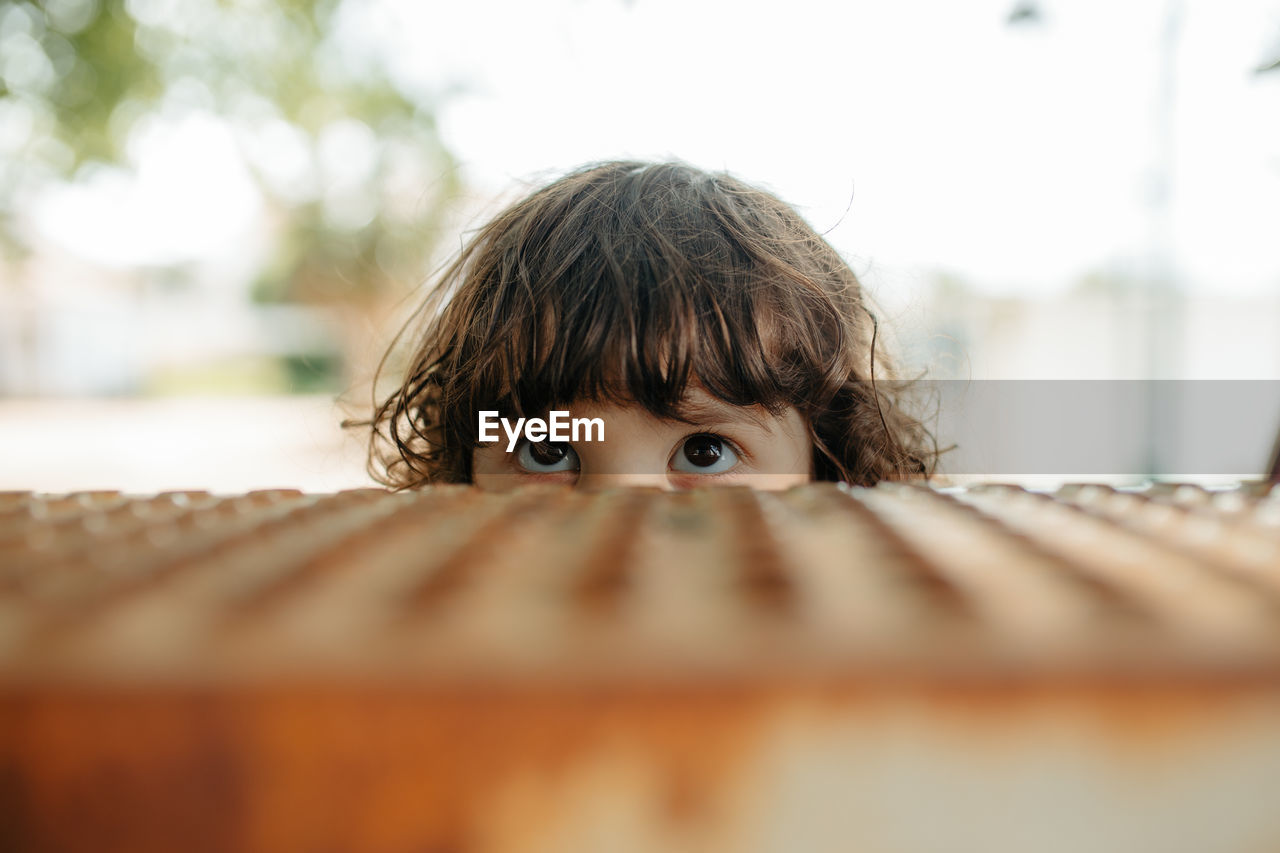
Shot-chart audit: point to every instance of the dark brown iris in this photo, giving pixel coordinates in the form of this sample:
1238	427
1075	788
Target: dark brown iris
703	450
548	452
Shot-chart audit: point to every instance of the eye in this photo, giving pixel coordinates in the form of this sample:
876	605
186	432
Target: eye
546	457
705	454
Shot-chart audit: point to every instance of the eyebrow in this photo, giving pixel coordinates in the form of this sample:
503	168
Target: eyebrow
716	411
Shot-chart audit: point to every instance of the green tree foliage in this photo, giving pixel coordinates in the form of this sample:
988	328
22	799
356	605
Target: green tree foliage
350	165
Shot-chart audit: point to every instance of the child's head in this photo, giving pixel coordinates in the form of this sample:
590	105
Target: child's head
717	336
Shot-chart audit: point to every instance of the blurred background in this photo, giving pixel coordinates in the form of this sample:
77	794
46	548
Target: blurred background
215	214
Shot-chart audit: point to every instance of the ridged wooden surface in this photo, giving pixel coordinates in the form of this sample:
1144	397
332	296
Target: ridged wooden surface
888	670
545	582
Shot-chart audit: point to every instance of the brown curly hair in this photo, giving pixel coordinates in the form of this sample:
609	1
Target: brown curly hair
625	282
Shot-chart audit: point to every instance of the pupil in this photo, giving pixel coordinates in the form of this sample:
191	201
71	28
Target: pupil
547	453
702	450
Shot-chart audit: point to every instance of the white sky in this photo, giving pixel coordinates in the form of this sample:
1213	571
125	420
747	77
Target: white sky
1016	157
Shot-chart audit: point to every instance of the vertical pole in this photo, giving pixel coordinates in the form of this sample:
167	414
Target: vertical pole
1165	330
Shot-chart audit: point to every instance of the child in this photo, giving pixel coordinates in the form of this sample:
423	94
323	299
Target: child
714	336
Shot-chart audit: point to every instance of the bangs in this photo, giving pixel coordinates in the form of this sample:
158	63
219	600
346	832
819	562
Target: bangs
634	300
633	338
